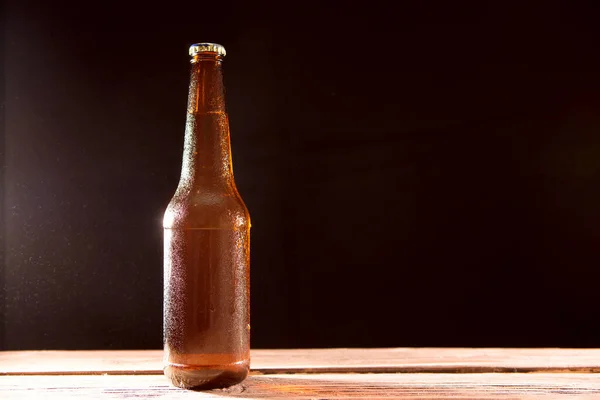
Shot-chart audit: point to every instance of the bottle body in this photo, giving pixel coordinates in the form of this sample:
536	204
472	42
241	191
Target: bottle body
206	250
207	315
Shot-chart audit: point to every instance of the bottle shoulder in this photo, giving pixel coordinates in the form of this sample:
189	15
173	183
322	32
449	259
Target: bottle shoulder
206	209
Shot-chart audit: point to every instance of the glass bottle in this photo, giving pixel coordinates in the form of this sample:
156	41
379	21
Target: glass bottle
206	245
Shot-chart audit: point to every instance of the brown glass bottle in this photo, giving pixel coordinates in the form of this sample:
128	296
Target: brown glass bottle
206	245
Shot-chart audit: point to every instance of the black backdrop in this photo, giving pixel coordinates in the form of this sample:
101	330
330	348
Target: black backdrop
418	174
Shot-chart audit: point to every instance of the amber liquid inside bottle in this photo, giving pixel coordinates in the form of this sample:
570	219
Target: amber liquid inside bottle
207	245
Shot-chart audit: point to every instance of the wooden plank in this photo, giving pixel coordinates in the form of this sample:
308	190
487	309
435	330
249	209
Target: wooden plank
316	360
81	362
461	360
312	386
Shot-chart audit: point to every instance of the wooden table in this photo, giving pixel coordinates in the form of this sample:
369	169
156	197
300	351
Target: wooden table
415	373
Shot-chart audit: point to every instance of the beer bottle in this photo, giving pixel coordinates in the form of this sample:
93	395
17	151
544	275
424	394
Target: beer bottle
206	245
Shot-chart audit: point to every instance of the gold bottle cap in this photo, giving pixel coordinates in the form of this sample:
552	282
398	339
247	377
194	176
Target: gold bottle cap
198	48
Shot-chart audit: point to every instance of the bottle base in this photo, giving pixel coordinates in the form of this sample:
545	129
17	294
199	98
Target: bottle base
199	377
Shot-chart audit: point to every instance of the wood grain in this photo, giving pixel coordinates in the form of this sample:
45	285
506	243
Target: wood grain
405	360
313	386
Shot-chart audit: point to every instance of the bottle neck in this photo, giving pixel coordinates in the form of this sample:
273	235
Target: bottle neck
207	151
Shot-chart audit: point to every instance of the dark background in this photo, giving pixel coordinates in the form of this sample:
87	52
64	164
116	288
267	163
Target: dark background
418	173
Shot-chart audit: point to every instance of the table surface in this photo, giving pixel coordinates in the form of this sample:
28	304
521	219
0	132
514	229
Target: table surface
407	373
